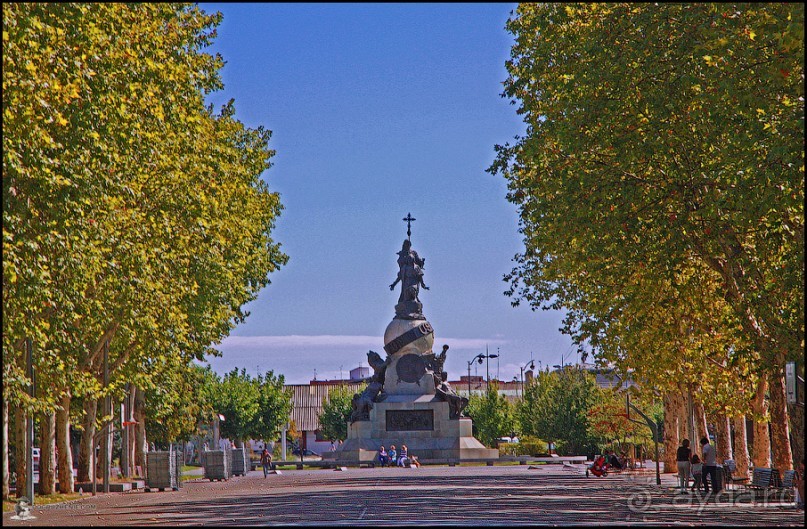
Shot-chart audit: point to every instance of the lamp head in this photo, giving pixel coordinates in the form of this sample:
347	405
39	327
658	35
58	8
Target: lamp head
479	360
493	356
532	365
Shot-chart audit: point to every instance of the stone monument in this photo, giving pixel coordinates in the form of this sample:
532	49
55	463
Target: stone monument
408	399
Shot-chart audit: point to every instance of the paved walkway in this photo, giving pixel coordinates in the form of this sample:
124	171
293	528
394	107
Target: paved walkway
463	495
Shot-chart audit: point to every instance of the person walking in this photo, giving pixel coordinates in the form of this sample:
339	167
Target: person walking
709	467
682	458
266	461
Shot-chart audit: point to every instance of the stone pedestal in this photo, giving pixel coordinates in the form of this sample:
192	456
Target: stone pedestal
408	410
421	423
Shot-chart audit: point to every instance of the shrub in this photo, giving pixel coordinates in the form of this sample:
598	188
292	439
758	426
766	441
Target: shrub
530	446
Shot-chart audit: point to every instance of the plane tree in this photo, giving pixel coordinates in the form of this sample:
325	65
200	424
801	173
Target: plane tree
135	220
667	139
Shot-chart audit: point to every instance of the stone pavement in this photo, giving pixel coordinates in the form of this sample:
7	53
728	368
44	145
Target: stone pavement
463	495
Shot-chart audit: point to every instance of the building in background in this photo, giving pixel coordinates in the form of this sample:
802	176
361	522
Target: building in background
307	399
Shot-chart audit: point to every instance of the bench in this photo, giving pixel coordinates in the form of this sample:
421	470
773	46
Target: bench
767	481
763	478
729	468
788	482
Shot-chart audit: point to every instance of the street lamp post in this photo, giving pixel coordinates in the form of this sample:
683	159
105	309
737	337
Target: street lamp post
478	358
531	365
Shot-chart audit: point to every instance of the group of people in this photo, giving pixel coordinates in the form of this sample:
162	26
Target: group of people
690	465
618	463
608	461
393	458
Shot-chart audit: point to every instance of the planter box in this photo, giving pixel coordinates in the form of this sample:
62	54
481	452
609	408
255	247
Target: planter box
239	461
162	470
217	464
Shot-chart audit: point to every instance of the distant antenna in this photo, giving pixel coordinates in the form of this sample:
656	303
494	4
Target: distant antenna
315	374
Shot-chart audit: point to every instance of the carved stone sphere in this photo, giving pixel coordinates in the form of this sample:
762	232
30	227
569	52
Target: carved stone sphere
398	327
406	341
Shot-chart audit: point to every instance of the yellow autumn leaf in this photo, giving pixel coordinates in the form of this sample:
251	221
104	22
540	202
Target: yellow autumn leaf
752	35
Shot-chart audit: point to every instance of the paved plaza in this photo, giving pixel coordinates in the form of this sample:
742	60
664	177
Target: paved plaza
440	495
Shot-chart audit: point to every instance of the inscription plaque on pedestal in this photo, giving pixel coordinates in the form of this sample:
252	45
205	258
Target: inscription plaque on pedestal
410	420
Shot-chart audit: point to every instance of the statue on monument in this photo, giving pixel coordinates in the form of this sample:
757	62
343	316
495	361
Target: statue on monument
410	275
362	402
408	395
443	389
411	367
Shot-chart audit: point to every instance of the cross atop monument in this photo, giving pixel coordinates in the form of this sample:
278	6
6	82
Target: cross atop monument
408	219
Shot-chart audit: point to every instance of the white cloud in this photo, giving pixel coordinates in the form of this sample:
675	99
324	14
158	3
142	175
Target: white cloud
329	340
300	357
294	340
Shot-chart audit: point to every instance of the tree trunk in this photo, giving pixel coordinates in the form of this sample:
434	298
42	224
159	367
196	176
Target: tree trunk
796	414
701	428
6	475
141	442
65	460
86	472
761	450
741	447
47	454
132	468
671	423
780	430
723	427
21	459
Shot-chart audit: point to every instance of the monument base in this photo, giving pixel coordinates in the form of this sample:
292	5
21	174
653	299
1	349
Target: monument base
422	423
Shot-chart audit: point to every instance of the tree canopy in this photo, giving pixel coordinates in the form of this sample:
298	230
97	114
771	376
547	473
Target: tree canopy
135	217
556	408
253	408
336	409
660	186
492	415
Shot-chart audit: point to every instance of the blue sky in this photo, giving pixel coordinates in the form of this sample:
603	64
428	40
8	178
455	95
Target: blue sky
378	110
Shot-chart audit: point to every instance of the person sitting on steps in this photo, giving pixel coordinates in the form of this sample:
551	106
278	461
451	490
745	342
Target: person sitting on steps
403	459
383	457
